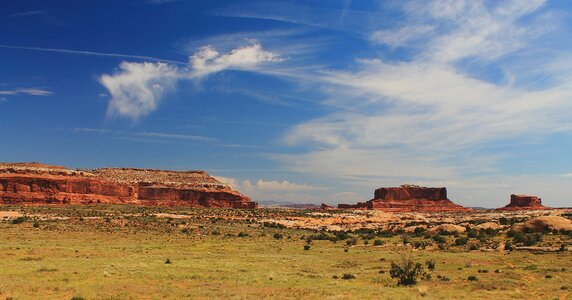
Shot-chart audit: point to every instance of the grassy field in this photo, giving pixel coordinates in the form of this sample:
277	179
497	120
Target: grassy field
129	252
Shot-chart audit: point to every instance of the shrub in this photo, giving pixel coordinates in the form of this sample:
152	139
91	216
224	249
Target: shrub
348	276
242	234
563	247
431	264
472	233
443	278
352	241
419	245
36	225
419	231
405	239
378	242
273	225
474	246
472	278
278	236
168	261
306	247
406	272
439	239
77	298
461	241
342	235
19	220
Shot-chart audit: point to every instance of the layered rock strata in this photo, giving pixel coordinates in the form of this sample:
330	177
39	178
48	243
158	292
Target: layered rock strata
33	183
409	198
524	202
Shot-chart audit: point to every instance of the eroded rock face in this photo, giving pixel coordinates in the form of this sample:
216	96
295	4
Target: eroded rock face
409	198
524	202
33	183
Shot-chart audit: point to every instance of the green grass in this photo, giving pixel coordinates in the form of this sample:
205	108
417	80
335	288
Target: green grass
124	257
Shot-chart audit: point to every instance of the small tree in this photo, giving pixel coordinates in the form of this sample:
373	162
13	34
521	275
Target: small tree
406	272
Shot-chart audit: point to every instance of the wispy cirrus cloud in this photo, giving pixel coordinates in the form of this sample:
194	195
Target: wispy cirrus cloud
142	134
138	88
29	13
45	16
26	91
94	53
433	116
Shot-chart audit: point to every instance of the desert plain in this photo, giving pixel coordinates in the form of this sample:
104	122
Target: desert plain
133	252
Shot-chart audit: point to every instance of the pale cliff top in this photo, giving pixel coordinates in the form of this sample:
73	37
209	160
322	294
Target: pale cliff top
153	177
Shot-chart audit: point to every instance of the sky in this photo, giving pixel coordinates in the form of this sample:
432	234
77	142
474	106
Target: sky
298	101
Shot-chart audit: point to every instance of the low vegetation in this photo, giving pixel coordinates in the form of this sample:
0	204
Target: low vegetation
117	252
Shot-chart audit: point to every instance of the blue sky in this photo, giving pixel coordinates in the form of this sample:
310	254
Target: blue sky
300	101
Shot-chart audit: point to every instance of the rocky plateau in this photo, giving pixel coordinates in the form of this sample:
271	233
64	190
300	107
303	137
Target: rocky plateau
409	198
35	183
524	202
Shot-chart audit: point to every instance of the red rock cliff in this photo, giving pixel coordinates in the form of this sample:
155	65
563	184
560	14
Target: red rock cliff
524	202
33	183
409	198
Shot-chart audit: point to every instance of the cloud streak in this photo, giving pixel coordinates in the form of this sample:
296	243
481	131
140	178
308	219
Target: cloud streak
26	91
94	53
144	134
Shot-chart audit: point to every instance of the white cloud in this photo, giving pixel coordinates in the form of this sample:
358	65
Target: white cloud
285	185
276	190
267	185
137	88
208	60
402	36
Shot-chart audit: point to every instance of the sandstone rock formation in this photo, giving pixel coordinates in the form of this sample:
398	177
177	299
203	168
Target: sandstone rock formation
34	183
524	202
545	222
409	198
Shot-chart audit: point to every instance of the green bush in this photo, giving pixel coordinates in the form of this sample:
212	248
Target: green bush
419	231
407	272
461	241
419	245
431	264
19	220
439	239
